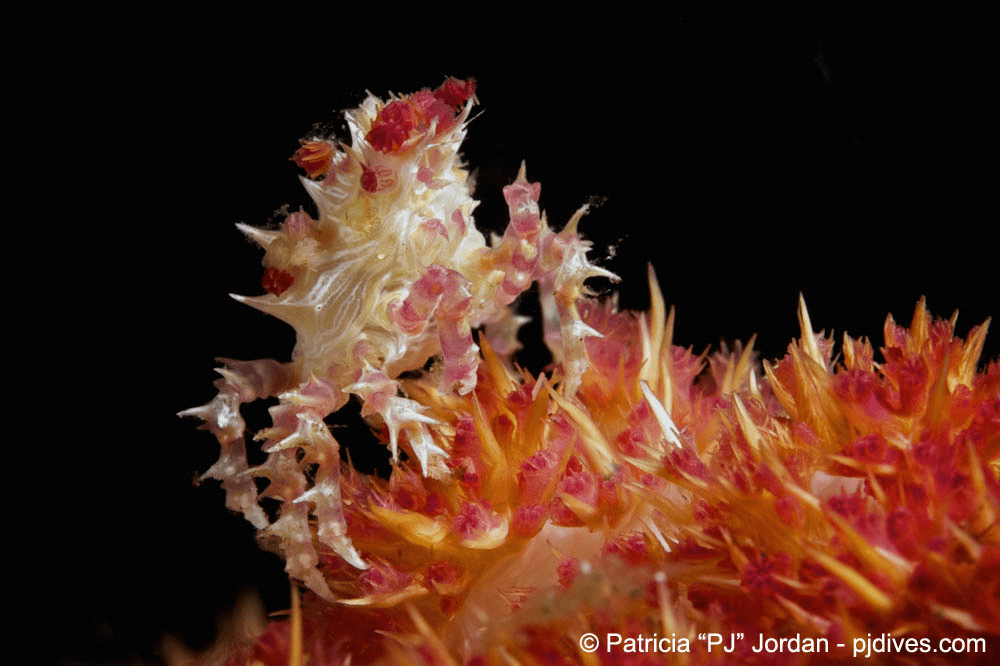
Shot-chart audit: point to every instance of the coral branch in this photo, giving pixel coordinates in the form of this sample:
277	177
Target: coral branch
637	489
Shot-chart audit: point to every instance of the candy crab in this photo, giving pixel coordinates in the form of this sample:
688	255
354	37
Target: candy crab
391	274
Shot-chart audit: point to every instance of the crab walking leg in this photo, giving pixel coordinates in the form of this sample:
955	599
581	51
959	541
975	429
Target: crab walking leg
445	294
241	382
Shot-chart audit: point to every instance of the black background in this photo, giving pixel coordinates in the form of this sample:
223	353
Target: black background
748	158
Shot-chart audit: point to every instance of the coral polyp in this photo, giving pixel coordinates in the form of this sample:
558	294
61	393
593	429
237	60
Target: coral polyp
633	492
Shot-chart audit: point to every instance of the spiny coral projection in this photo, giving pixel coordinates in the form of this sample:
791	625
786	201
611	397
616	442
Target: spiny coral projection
636	489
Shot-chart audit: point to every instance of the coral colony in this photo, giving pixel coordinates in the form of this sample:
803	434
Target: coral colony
635	503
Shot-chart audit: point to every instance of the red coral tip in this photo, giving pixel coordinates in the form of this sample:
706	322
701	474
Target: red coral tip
455	92
391	128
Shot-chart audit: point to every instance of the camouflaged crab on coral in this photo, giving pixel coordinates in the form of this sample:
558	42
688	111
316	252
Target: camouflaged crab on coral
393	272
635	487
